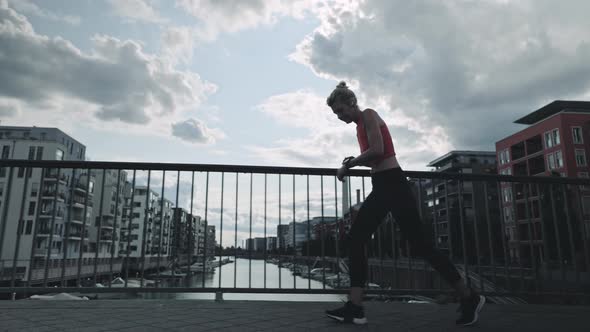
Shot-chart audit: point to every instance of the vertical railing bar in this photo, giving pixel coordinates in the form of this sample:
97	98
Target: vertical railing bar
115	232
265	237
337	235
421	213
490	243
250	237
543	237
88	178
583	231
569	228
411	280
145	231
323	233
517	231
279	236
100	217
206	230
364	197
20	230
294	235
68	225
435	223
50	244
449	226
161	228
36	227
83	235
177	223
236	235
5	210
308	238
395	281
507	275
557	235
221	227
527	207
475	229
192	237
462	221
130	228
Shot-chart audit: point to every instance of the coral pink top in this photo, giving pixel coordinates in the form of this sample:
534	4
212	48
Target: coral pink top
363	140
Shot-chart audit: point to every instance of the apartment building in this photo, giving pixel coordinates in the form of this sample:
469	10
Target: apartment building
554	143
45	214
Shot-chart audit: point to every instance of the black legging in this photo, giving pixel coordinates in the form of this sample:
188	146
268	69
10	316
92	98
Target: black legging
392	193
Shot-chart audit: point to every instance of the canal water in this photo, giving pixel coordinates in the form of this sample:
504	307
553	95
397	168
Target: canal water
243	273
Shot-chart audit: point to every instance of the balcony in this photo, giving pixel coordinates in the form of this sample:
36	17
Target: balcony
59	214
53	177
50	195
44	252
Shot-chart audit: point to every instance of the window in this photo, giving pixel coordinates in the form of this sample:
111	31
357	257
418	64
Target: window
551	161
555	136
5	151
583	175
559	159
34	189
507	155
20	227
548	140
31	152
507	194
29	227
1	188
39	153
580	157
31	208
59	154
21	172
5	155
577	135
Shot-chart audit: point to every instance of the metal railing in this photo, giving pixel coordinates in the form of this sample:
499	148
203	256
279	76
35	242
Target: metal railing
514	237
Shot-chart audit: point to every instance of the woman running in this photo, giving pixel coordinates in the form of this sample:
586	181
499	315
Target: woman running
391	193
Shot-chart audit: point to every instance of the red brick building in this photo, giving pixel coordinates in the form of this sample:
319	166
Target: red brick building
556	142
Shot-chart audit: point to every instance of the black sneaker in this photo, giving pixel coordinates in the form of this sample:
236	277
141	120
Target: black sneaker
349	313
470	309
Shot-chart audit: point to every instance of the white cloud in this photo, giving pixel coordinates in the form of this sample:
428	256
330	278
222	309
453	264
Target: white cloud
470	67
28	7
228	16
136	11
9	107
301	108
195	131
178	43
117	81
328	140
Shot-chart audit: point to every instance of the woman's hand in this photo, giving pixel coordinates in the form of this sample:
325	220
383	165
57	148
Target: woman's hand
342	172
344	168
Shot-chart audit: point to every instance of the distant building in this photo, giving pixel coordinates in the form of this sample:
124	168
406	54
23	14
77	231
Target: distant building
444	213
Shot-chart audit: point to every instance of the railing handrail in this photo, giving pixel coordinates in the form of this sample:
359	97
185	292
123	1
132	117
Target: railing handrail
220	168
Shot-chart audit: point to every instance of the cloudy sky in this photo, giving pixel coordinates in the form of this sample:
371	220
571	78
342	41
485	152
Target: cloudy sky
245	81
